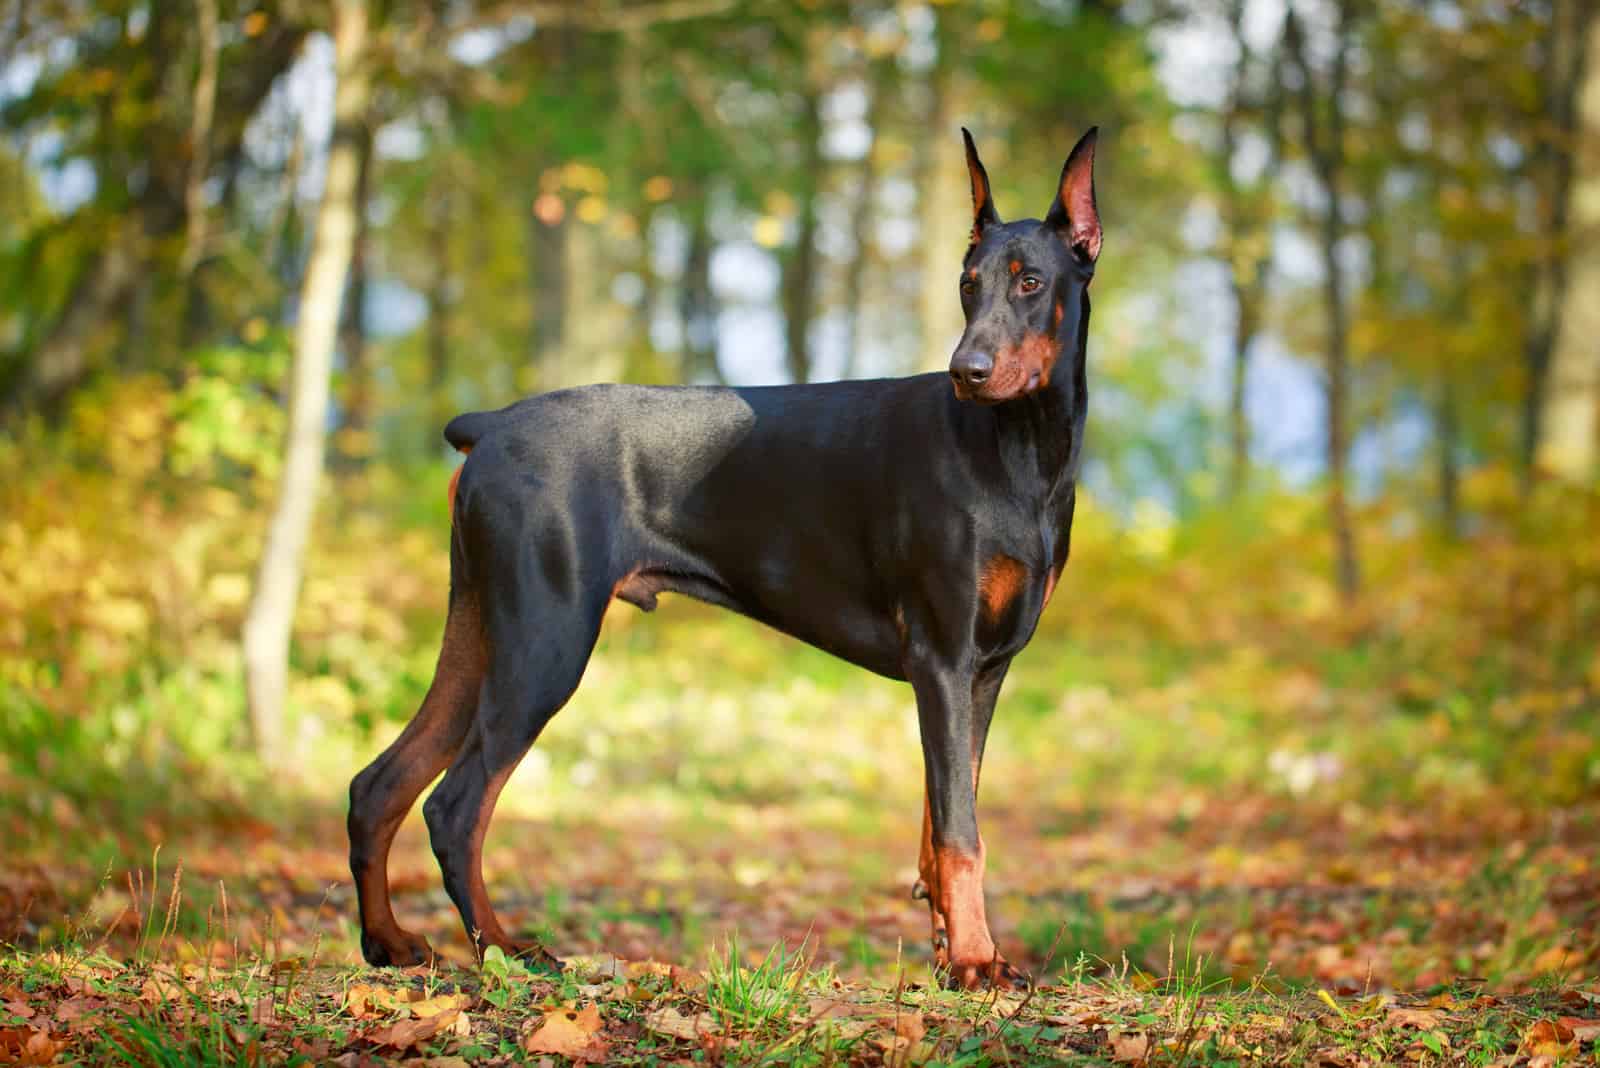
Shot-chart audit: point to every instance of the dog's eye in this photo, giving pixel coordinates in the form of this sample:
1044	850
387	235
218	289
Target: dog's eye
968	287
1031	283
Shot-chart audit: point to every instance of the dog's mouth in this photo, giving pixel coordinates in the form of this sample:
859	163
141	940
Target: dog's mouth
1001	388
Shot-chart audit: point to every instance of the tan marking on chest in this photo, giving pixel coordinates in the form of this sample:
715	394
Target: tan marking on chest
1003	578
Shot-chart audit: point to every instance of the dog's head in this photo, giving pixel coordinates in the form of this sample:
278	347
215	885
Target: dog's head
1024	285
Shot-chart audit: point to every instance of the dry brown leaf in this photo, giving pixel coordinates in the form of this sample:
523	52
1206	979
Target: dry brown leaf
671	1022
1421	1019
1005	1004
905	1046
910	1026
404	1034
159	988
365	1000
1582	1030
1549	1038
27	1045
1129	1049
569	1032
265	1011
638	969
71	1012
439	1003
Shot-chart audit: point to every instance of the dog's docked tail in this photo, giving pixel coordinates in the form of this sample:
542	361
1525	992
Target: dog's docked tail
464	431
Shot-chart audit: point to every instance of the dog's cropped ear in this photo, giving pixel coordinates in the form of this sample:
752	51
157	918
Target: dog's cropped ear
1073	213
983	213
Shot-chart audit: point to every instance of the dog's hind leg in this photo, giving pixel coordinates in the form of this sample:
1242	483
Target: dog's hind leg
382	794
537	658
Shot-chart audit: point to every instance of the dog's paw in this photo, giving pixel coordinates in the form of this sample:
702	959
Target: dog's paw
402	949
994	974
533	956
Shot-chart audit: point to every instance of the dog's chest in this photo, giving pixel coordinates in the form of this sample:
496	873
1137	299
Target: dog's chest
1016	579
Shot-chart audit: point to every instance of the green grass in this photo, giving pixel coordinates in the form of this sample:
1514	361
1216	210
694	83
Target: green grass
776	1010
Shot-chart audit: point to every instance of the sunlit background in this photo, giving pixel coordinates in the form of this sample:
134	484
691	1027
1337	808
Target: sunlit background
1325	655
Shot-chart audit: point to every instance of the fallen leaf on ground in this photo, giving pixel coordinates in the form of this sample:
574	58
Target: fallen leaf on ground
905	1046
26	1045
569	1032
1421	1019
404	1034
159	988
1130	1049
439	1003
1549	1038
71	1012
674	1024
264	1011
364	1000
1582	1030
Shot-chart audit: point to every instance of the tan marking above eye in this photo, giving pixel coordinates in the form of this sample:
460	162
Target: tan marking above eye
1016	265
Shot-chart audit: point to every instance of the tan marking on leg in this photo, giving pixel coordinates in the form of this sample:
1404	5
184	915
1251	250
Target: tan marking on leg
928	885
490	933
960	898
425	748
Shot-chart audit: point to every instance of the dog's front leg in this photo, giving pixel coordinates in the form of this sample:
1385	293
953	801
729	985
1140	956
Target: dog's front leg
953	853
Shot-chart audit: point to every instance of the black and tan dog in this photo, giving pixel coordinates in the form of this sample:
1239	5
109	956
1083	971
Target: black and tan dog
914	526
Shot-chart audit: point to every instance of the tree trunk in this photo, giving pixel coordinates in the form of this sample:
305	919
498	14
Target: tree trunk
1325	147
1567	445
1562	67
697	301
61	360
360	398
1246	244
799	284
943	206
204	108
441	299
270	618
862	214
1448	430
1246	323
547	274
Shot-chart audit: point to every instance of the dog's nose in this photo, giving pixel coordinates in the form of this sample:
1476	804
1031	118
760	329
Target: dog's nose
971	368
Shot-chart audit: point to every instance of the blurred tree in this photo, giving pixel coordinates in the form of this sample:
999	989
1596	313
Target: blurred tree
1247	214
115	107
1567	439
271	614
1322	133
1563	67
360	392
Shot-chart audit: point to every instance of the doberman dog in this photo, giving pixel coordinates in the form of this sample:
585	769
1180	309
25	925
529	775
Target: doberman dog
913	526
